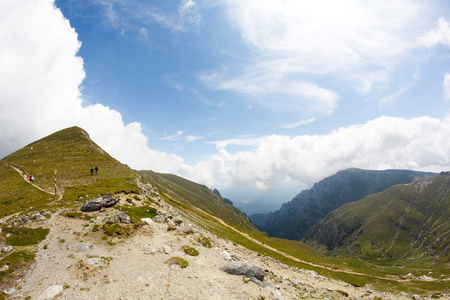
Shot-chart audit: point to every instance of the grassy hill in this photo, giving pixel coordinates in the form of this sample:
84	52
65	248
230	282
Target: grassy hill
405	225
71	153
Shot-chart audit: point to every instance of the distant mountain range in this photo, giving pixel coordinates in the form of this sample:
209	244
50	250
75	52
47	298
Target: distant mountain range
295	218
408	224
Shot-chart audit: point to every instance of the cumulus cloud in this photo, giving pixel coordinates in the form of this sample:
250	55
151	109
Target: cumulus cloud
300	48
39	88
439	35
383	143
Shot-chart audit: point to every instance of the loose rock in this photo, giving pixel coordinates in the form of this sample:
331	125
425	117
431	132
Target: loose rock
83	247
51	292
124	218
159	219
98	203
244	268
6	249
39	217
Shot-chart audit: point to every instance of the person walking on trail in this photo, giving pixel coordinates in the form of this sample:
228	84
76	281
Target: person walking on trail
96	170
92	171
31	178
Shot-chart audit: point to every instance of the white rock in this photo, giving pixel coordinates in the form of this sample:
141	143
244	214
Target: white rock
167	249
51	292
96	261
149	249
147	221
9	291
226	255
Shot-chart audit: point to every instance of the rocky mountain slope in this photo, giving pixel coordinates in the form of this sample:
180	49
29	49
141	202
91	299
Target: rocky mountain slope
295	217
200	196
405	225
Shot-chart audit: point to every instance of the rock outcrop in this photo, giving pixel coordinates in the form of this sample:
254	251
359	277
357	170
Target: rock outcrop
244	268
98	203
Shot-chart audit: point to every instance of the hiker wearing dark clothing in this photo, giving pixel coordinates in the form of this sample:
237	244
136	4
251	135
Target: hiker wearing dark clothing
92	171
96	170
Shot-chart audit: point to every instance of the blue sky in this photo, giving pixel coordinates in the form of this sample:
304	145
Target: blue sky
259	99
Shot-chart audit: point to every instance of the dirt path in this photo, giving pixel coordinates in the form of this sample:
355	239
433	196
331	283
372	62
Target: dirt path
26	178
297	259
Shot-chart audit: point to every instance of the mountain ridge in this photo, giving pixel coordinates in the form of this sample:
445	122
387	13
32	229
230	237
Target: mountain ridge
404	224
295	217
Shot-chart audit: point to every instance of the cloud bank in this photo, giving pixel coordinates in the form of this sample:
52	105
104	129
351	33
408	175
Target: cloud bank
383	143
39	88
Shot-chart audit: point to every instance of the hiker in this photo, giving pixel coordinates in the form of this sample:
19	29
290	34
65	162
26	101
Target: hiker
96	170
31	178
92	171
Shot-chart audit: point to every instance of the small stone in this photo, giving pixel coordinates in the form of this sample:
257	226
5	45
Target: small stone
39	217
226	255
6	249
236	257
124	218
112	220
84	247
4	268
9	291
102	209
149	249
96	261
159	219
167	249
148	221
51	292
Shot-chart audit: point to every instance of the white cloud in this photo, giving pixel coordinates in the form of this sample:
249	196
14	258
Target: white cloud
440	35
39	88
446	85
132	15
174	137
300	123
383	143
300	48
274	92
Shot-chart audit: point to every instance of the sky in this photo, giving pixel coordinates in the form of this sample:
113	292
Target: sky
259	99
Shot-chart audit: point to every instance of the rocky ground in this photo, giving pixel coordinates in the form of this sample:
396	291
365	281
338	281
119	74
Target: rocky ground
74	262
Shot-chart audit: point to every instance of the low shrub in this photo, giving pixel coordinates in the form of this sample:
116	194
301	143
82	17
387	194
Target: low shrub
190	250
177	261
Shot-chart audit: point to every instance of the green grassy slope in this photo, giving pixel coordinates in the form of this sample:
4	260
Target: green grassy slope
352	271
71	152
405	225
199	196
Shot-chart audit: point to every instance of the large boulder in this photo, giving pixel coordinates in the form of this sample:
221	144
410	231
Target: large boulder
98	203
244	268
